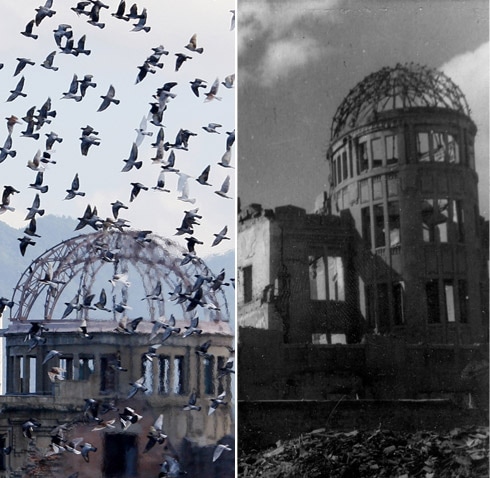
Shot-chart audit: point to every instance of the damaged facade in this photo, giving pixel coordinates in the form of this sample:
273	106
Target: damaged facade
382	291
104	365
397	245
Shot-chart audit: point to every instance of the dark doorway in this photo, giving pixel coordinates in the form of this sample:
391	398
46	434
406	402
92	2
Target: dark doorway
120	455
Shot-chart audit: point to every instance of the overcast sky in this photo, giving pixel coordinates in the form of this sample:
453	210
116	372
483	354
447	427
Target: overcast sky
298	60
116	52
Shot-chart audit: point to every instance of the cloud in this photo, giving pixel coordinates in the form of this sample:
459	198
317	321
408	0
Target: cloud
281	36
470	71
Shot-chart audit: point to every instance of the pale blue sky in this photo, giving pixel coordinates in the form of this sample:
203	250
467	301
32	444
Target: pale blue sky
116	54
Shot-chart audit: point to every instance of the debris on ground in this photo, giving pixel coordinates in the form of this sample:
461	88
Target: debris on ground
463	452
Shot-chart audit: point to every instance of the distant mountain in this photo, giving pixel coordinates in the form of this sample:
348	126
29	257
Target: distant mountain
52	229
55	229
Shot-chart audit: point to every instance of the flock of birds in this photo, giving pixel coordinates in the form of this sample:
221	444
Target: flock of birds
152	125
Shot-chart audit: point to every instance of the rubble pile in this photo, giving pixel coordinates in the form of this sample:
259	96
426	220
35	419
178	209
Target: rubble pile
463	452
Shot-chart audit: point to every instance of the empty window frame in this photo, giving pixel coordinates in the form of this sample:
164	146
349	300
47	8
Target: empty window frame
362	156
66	363
435	215
147	371
163	374
221	376
423	148
107	374
247	284
378	187
317	276
394	223
208	365
458	219
364	193
377	152
391	145
438	146
178	381
449	301
336	285
345	171
32	374
392	183
86	367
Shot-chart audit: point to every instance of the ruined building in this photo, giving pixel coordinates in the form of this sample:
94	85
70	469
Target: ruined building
146	281
397	245
382	291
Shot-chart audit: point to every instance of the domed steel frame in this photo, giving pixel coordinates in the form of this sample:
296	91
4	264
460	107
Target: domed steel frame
404	86
83	256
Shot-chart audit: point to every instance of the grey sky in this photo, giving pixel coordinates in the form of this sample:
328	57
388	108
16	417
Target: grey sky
298	60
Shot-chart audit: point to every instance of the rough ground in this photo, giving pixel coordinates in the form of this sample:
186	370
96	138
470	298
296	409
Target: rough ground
463	452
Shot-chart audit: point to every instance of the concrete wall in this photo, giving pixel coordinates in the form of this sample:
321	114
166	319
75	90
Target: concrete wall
381	368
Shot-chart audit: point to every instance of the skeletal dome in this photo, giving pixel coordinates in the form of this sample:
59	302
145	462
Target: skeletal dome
400	88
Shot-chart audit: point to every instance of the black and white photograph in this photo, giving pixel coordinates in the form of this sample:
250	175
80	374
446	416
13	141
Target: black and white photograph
362	240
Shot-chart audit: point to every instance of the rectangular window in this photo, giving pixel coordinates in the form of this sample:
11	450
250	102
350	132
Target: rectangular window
442	219
377	152
247	284
438	147
392	180
458	219
452	149
423	151
317	275
394	223
339	170
66	363
208	364
107	374
362	156
336	288
428	220
463	301
391	145
379	226
147	371
345	172
449	299
178	385
351	168
377	187
432	293
32	374
163	374
364	190
86	367
221	377
334	169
